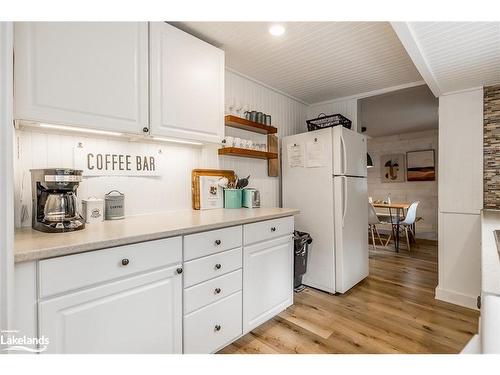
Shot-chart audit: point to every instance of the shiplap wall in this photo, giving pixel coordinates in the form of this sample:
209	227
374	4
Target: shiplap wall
346	107
288	115
171	191
409	191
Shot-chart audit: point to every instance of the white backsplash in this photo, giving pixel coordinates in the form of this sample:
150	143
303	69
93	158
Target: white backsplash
171	191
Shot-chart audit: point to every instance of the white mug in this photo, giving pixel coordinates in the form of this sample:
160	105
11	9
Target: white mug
249	143
237	142
229	141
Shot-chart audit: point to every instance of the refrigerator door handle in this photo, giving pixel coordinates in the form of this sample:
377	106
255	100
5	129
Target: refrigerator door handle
344	154
344	203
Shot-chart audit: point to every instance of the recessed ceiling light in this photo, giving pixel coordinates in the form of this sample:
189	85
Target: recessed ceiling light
277	30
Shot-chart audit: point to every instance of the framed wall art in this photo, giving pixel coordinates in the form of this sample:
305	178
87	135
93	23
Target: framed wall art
421	165
392	168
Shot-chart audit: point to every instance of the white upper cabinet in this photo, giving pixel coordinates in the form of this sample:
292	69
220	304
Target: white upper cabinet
85	74
186	85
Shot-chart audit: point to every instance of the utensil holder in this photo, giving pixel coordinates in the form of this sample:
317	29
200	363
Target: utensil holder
232	198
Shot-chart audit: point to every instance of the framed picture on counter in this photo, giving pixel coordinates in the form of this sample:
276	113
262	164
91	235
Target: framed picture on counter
206	192
420	166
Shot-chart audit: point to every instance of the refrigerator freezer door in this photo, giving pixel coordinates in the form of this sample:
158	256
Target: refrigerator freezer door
351	238
311	191
349	152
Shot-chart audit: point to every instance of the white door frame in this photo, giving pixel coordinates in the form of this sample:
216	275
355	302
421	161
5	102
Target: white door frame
6	176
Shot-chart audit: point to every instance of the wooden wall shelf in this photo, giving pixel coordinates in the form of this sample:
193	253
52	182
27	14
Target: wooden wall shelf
247	153
244	124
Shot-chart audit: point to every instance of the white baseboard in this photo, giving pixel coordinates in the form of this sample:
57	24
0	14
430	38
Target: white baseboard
456	298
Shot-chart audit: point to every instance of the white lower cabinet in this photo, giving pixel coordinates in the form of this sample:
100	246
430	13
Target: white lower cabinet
141	314
214	326
142	298
267	280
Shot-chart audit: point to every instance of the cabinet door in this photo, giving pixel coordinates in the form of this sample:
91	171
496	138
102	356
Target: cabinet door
187	85
141	314
89	74
267	280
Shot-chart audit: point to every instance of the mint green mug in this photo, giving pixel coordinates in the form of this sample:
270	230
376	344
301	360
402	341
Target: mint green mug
232	198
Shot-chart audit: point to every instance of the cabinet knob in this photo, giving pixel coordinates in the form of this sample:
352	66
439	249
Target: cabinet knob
218	242
125	261
478	302
273	229
145	129
217	290
179	270
217	328
218	266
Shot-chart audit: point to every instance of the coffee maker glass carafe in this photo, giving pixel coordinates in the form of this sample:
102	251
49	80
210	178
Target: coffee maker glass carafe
54	200
60	206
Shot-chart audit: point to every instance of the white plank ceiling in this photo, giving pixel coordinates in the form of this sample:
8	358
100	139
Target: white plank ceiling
459	55
313	61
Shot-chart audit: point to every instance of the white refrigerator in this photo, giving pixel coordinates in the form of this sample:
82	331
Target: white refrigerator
324	175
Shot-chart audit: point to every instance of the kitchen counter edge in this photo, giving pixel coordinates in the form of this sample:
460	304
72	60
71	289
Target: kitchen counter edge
33	254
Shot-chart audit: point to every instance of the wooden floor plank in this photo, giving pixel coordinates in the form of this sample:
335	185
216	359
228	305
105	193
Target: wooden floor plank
392	311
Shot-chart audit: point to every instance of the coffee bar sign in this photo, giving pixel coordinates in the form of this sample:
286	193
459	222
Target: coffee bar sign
94	162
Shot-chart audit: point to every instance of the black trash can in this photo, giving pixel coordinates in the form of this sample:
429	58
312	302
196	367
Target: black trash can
301	242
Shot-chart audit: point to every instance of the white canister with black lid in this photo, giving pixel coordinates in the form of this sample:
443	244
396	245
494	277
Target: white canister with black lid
93	210
114	205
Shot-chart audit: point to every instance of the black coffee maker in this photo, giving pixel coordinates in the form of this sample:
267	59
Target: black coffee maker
55	207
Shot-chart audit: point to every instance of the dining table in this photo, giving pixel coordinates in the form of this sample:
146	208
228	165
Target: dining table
399	208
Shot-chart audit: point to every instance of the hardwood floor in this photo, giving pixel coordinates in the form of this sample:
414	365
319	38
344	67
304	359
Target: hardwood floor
392	311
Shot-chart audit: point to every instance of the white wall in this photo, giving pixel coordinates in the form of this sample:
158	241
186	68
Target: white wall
288	115
171	191
460	196
409	191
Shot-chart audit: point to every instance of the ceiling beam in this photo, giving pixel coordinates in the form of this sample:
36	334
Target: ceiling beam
407	37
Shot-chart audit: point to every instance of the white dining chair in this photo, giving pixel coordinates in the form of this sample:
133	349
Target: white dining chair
409	221
373	221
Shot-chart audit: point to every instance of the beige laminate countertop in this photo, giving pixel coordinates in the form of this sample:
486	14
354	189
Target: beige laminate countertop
30	244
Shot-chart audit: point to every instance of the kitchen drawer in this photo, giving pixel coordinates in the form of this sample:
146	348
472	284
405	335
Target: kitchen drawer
70	272
213	290
211	242
206	268
214	326
266	230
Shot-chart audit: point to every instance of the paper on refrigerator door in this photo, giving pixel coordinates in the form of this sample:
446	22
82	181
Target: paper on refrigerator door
315	154
295	155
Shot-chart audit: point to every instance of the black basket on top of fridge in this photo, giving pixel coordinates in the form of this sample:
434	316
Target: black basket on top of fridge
301	242
323	121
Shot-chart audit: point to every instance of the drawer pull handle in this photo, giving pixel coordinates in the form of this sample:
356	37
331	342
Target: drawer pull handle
179	270
217	328
273	229
218	266
218	242
125	261
217	290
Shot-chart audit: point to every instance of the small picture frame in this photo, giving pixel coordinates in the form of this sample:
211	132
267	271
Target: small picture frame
206	193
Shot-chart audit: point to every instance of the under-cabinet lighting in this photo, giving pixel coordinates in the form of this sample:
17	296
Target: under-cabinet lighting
173	140
277	30
80	130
